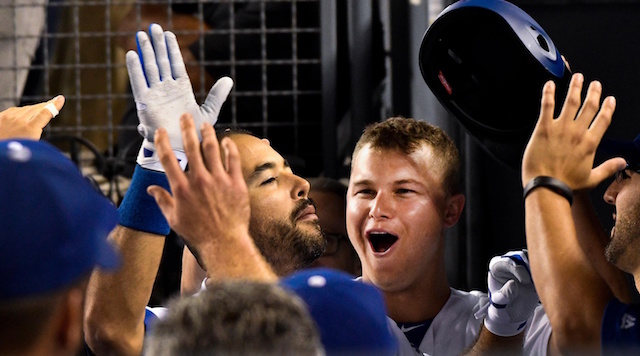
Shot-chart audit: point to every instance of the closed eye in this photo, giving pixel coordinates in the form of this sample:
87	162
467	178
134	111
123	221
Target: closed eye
268	181
365	192
404	191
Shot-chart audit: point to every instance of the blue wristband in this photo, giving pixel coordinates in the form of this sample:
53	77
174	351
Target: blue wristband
139	210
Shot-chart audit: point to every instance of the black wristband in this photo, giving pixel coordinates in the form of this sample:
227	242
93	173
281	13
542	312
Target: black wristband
556	185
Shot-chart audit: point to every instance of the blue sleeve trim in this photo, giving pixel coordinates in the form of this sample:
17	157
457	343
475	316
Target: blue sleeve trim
139	210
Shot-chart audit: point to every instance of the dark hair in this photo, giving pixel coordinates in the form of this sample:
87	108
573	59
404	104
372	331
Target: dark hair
230	131
407	135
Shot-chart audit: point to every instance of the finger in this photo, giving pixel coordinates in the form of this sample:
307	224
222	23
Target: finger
234	163
210	149
547	104
572	101
160	49
178	68
506	294
136	74
191	142
49	111
168	159
147	58
602	121
606	170
566	62
216	97
591	105
165	201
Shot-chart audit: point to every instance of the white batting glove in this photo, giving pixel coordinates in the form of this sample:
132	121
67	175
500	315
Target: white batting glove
163	92
512	293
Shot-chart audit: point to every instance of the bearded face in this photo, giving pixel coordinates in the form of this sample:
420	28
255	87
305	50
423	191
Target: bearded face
621	249
288	244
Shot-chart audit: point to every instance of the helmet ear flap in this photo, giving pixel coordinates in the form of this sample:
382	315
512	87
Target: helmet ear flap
486	61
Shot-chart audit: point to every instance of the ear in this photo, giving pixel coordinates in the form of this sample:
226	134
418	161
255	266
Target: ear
453	209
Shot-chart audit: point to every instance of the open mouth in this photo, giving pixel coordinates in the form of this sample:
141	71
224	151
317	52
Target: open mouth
381	241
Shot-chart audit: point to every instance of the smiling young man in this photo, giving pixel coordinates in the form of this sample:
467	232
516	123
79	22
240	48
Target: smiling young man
403	194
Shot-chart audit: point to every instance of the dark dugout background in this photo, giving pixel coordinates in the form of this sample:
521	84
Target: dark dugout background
599	39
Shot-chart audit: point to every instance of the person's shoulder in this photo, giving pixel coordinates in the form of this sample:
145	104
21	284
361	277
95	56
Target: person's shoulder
473	296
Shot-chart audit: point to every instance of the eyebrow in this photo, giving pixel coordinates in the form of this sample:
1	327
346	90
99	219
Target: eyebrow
399	182
264	167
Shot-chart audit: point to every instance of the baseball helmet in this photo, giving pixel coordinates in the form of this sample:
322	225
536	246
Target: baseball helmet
486	61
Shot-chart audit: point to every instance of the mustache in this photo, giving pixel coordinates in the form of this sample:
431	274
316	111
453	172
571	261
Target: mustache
300	206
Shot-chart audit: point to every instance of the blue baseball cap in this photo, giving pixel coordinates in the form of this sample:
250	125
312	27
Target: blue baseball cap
53	223
629	150
351	315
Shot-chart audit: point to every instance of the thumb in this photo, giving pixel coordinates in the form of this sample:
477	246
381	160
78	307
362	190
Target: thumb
606	170
506	294
165	201
216	97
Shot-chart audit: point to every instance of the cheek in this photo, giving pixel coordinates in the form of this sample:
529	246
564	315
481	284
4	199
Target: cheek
354	215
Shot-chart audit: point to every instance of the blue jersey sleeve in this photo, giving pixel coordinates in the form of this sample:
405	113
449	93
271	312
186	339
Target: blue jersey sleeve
620	329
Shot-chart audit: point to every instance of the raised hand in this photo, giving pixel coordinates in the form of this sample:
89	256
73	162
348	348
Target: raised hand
29	121
564	148
163	92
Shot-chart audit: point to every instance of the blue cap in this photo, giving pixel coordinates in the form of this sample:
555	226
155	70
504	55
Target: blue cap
350	315
53	222
629	150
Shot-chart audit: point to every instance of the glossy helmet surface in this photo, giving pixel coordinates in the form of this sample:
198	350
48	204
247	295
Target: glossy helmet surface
486	61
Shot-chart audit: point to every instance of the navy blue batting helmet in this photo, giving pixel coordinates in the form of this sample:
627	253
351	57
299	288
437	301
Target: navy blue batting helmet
486	61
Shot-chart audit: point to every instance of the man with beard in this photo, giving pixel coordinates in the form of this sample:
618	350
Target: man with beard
584	297
281	218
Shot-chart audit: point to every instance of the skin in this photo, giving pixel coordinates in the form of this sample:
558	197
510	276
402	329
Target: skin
27	121
283	223
284	227
572	279
331	209
400	194
624	248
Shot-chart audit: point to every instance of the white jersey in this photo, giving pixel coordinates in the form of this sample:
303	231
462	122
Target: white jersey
455	328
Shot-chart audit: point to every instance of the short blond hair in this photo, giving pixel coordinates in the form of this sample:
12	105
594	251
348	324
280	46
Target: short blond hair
406	135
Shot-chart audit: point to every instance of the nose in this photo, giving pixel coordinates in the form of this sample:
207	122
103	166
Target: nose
611	193
300	187
381	207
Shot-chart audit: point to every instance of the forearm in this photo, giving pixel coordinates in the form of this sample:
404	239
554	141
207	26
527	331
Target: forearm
192	274
115	306
491	344
563	275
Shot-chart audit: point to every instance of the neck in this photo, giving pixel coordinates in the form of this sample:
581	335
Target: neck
420	302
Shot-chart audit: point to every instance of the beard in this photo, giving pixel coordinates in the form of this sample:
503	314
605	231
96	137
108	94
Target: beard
627	231
286	246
